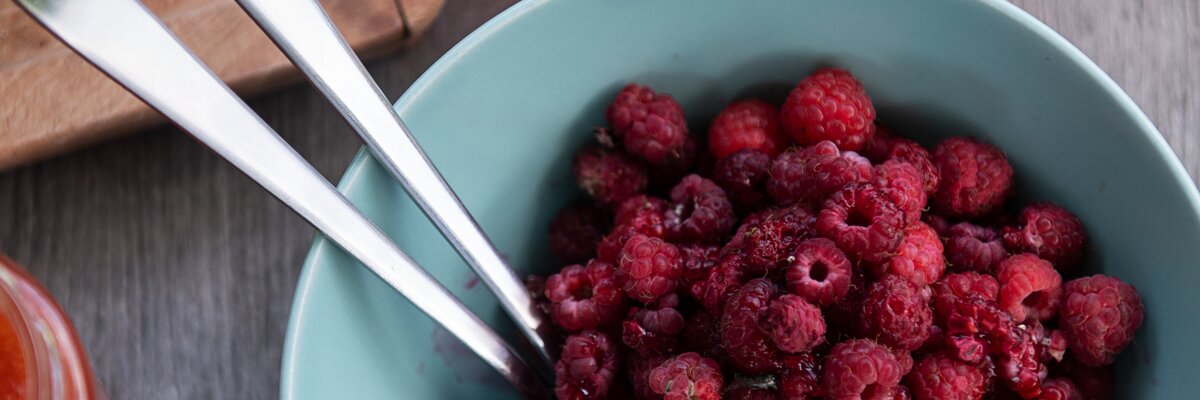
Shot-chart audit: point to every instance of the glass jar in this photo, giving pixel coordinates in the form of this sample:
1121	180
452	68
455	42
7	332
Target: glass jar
41	358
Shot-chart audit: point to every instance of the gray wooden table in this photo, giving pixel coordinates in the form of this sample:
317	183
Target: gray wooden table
179	272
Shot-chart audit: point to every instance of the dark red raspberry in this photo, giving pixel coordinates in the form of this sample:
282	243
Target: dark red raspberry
651	124
862	222
698	262
688	376
1029	287
919	256
653	330
800	377
861	369
819	272
700	212
576	230
1094	383
974	322
895	313
608	176
810	174
726	278
940	377
794	324
750	124
744	175
911	152
637	370
975	177
971	247
702	334
650	267
901	182
964	285
1099	315
1060	389
829	105
880	144
772	239
585	298
587	368
677	165
748	346
1049	231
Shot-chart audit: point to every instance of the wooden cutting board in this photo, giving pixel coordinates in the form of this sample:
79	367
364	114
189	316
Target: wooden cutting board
52	101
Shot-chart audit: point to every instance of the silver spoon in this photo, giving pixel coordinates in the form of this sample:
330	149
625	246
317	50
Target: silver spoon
306	34
127	42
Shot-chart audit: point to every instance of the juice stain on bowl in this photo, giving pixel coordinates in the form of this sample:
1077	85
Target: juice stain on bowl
467	366
12	362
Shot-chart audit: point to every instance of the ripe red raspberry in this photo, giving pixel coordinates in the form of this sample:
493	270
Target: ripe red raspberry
637	371
688	376
698	263
584	298
744	175
974	323
749	347
819	272
895	313
861	369
829	105
651	124
647	219
639	208
750	124
769	241
1029	287
862	222
971	247
1099	315
919	256
576	230
726	278
700	212
810	174
1049	231
901	183
650	267
975	177
962	286
608	176
940	377
907	151
1094	383
794	324
1060	389
587	367
654	329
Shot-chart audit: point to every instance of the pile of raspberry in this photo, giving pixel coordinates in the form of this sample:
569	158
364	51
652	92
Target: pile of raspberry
804	251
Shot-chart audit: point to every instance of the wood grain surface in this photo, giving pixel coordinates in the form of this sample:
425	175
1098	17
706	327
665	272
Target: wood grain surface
179	272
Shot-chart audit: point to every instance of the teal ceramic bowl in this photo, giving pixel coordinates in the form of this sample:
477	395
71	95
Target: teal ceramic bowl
501	113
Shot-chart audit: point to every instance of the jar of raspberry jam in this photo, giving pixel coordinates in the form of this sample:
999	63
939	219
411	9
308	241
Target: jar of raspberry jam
40	355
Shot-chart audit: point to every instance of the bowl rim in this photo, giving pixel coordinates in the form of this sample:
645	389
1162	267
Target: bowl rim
354	172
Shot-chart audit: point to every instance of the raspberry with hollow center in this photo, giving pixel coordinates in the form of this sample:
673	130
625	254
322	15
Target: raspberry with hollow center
700	212
650	124
575	231
820	272
810	174
861	369
587	367
940	377
863	224
975	177
901	183
688	376
744	175
769	241
919	256
1099	315
749	347
608	176
895	313
829	105
1029	287
1049	231
650	267
654	329
750	124
584	298
971	247
794	324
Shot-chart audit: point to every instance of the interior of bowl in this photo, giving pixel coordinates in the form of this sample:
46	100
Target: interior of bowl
502	113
